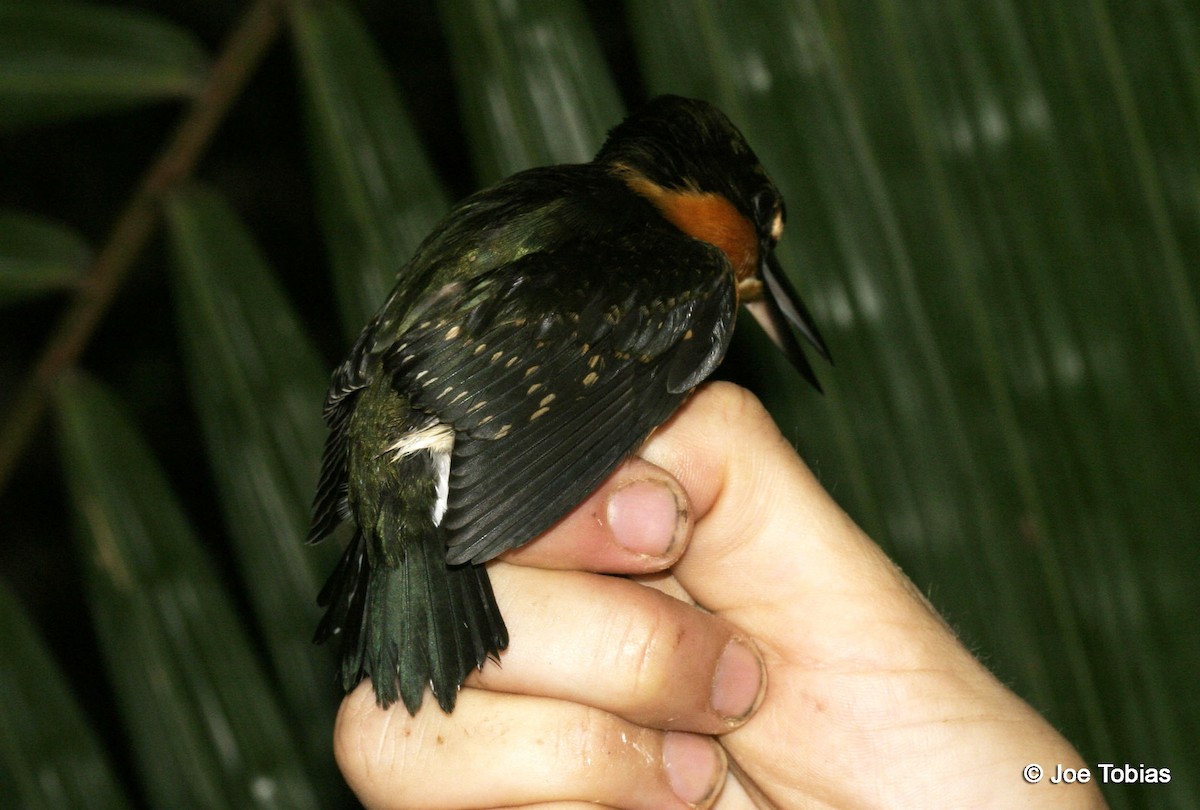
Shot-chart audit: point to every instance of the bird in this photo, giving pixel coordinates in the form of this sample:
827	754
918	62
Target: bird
535	339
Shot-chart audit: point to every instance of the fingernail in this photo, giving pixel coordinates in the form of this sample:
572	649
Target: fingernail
645	516
695	767
739	682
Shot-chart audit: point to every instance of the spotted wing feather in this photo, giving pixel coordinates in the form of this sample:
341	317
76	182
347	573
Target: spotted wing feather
558	373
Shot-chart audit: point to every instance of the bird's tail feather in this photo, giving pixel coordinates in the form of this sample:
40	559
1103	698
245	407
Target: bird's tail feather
420	623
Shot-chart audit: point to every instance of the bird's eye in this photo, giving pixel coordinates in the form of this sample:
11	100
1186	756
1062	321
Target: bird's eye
768	213
762	203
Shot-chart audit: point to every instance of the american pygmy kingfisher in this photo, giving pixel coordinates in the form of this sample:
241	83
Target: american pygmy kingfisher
537	337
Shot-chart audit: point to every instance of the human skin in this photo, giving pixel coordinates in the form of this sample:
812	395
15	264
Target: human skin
815	667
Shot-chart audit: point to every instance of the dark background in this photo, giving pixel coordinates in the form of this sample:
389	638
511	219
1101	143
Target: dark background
1023	285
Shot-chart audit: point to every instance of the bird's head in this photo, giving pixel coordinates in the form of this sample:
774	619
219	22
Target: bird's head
692	163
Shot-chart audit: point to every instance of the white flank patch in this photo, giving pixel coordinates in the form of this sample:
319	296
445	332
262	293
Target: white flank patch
441	469
438	439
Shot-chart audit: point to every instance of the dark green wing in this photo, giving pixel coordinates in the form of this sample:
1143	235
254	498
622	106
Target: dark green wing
329	504
554	368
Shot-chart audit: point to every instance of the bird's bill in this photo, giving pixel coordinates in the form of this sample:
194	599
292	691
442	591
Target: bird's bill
782	314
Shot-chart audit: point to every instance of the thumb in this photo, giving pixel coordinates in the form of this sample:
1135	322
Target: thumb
771	549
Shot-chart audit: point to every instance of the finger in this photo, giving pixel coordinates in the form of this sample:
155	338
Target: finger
500	750
638	521
615	645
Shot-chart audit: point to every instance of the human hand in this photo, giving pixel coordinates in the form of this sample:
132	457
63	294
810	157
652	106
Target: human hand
610	685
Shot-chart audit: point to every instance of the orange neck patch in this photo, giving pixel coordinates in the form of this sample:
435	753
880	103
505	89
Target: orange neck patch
706	216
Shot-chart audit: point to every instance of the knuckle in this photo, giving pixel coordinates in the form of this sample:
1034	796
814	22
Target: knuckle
589	738
643	643
377	751
735	405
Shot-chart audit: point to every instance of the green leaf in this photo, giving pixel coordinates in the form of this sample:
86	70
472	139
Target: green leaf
38	256
49	754
376	195
533	84
62	60
258	386
992	228
203	721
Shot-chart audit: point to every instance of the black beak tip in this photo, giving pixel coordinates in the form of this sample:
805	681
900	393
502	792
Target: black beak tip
813	380
818	343
783	315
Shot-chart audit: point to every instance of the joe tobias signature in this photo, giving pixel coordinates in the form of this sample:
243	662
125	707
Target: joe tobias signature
1109	773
